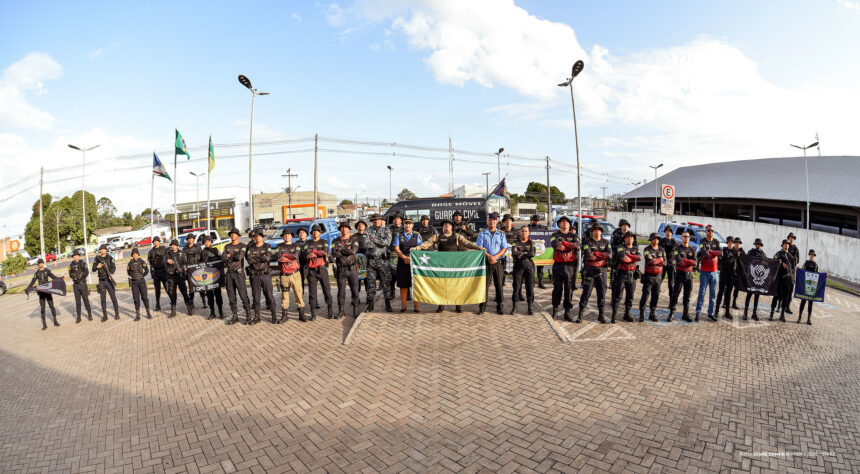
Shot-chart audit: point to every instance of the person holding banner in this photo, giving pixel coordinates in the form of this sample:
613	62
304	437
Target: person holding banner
404	242
536	225
449	241
496	245
137	271
685	262
655	261
757	252
596	252
193	255
174	260
258	257
234	276
104	265
795	255
211	255
43	276
565	244
78	272
626	267
344	251
783	281
809	266
522	252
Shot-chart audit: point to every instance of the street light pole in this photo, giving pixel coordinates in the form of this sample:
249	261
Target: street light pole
499	164
806	168
656	186
254	93
575	70
84	203
487	185
197	186
390	169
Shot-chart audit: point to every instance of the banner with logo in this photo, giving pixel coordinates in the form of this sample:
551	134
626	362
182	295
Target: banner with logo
810	285
53	287
757	275
204	276
543	248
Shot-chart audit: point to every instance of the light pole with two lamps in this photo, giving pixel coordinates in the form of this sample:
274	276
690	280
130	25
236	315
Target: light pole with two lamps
254	93
656	186
806	168
84	202
575	70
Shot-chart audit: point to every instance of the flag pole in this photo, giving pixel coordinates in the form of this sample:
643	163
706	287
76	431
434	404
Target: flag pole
175	211
151	211
208	181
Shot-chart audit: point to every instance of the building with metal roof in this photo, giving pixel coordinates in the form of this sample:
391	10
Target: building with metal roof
771	190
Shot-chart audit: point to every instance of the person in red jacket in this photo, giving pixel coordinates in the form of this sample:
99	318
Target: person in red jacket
709	258
595	254
684	261
564	243
626	265
655	262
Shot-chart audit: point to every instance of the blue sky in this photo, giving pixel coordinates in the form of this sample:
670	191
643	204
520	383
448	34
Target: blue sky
672	82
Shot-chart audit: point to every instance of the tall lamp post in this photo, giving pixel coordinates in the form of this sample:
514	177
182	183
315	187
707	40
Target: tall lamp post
806	168
84	203
197	185
637	183
575	70
254	93
656	186
487	184
390	169
499	164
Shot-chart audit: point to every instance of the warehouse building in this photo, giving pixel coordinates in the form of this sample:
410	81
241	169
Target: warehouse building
279	207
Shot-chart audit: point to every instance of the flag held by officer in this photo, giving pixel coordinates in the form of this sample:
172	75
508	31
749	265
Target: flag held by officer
449	278
758	275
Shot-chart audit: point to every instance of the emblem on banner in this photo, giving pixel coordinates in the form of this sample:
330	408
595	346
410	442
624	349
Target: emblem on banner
759	274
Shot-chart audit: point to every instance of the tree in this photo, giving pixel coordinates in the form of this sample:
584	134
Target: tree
76	218
345	202
106	213
615	202
406	195
13	265
32	242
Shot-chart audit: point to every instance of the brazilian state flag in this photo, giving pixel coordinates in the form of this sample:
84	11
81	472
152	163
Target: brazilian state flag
448	278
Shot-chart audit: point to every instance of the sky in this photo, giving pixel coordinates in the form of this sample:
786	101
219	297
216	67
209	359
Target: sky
676	83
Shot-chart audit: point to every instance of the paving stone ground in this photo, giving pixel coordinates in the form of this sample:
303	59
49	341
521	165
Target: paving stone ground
428	392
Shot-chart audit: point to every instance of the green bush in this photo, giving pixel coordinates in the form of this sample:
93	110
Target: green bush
222	232
13	265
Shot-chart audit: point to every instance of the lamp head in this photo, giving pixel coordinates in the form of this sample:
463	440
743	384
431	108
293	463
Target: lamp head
577	68
245	81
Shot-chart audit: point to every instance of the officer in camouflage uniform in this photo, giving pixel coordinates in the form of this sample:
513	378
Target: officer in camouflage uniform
378	241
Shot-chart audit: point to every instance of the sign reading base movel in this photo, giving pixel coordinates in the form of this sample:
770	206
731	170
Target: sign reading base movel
448	278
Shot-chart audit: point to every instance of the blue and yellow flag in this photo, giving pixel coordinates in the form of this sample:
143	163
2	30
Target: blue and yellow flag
158	168
448	278
181	149
211	155
501	190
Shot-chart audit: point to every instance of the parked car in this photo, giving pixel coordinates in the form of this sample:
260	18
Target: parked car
33	260
2	288
143	242
51	257
328	224
697	232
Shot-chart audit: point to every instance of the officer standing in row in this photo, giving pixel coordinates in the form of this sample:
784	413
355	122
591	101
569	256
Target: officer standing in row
596	252
784	285
193	255
424	229
395	227
565	244
78	272
287	255
361	238
211	255
344	250
738	252
158	269
626	266
493	240
511	235
728	267
536	225
809	266
461	227
378	239
258	257
795	255
317	252
709	258
174	260
616	240
234	276
668	243
685	263
137	271
404	242
44	276
448	241
522	252
104	266
655	261
757	252
302	244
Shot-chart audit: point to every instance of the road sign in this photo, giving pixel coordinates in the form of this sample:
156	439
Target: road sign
667	200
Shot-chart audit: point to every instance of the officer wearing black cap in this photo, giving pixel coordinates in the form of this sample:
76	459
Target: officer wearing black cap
258	257
104	266
158	269
809	266
378	240
522	252
684	260
193	255
345	251
626	263
615	240
137	271
448	241
533	226
211	255
728	265
174	260
565	244
655	261
234	276
668	243
596	254
756	252
317	252
78	272
424	229
784	281
44	276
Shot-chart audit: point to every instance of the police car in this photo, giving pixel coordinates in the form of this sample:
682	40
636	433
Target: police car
696	230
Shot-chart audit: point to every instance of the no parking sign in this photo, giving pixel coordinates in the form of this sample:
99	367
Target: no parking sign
667	200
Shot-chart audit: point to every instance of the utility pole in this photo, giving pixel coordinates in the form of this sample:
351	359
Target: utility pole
316	149
289	177
605	207
487	179
41	225
450	166
548	194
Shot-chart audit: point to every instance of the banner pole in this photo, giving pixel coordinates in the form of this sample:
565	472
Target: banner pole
151	211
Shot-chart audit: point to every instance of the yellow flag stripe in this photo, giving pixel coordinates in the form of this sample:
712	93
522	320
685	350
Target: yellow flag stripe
447	291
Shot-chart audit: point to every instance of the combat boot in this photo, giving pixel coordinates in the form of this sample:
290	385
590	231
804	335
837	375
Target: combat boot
782	315
746	312
771	313
302	315
54	316
212	311
148	314
686	315
566	315
234	318
355	310
330	313
283	317
221	311
340	312
89	315
458	309
600	318
735	303
555	312
189	307
480	308
369	305
274	316
313	312
158	304
529	309
727	314
44	326
116	312
137	314
440	308
652	316
578	318
671	316
614	311
499	308
514	308
388	307
172	311
642	314
77	319
627	316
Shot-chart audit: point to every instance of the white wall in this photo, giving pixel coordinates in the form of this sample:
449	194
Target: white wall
837	255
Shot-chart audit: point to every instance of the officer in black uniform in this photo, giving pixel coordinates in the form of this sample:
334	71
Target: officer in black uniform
317	252
809	266
511	236
565	244
378	240
158	269
212	255
461	227
783	280
104	265
234	276
78	272
795	255
668	243
728	267
424	229
193	255
137	271
626	268
344	250
738	252
615	240
536	225
655	260
395	227
258	257
522	252
174	261
302	244
685	262
43	276
596	252
757	252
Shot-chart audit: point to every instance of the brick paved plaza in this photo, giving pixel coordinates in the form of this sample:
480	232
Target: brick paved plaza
438	392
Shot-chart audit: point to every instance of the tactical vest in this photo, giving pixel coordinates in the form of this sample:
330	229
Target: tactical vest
447	243
406	243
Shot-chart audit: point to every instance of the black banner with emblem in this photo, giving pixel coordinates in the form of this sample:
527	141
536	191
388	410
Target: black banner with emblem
757	275
204	276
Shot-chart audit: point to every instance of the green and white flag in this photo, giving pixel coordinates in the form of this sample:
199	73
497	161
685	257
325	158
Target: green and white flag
448	278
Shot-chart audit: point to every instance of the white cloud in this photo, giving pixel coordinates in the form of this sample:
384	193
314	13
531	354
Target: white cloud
296	16
850	5
19	79
95	54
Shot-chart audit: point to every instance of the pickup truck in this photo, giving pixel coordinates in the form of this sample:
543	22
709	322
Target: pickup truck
217	241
